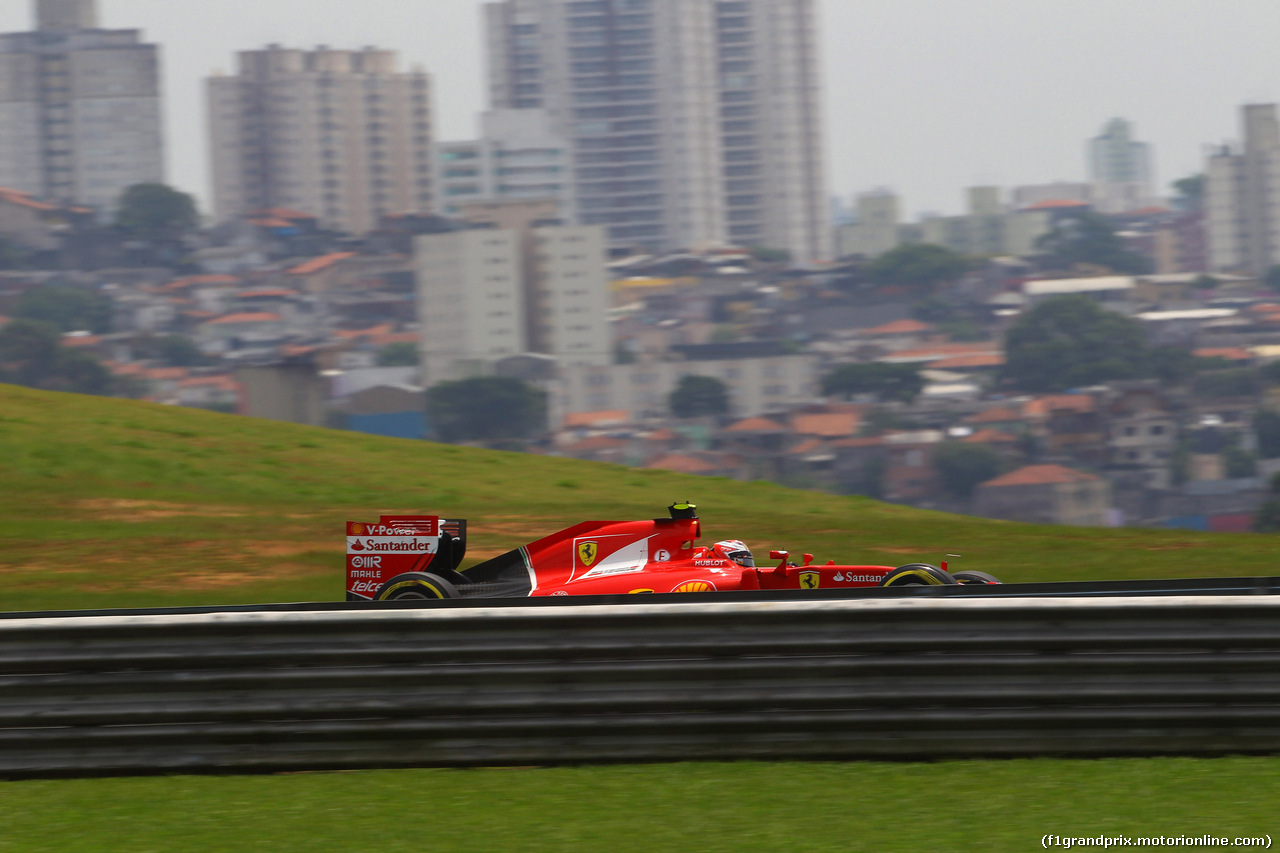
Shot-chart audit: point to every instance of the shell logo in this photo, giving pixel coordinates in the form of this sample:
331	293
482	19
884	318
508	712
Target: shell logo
695	586
357	529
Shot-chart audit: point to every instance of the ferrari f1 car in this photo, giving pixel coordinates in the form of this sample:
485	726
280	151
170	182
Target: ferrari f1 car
420	557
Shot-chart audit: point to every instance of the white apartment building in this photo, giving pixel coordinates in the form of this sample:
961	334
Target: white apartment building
988	228
342	135
471	302
570	296
79	108
518	156
690	122
756	385
518	282
1242	193
1121	169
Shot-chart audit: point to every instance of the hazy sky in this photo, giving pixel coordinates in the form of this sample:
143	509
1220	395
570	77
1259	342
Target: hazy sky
923	96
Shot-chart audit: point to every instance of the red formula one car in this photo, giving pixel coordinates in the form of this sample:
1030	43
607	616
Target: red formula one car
419	557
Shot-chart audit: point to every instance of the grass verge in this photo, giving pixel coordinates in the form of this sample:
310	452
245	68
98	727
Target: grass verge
951	806
111	503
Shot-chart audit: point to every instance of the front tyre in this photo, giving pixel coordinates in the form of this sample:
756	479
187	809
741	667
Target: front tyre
967	578
918	574
416	586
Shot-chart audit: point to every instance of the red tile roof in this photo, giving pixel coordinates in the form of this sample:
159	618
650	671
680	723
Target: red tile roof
1229	353
757	425
997	415
77	341
682	464
226	383
989	436
968	362
808	446
271	223
395	338
1044	406
24	200
1040	475
162	373
832	425
321	263
352	334
590	419
252	317
900	327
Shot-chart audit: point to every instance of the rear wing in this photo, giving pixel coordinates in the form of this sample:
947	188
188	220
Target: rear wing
395	544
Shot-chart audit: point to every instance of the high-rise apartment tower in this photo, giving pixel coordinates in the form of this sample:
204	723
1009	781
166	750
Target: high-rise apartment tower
1242	197
339	134
690	121
79	108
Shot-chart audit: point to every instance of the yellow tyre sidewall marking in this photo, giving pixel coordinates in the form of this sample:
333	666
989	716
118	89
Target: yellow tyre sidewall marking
917	573
386	594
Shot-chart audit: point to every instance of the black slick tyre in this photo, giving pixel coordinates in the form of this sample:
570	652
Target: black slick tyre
918	574
967	578
416	586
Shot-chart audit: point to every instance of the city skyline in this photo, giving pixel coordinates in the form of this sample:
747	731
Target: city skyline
920	96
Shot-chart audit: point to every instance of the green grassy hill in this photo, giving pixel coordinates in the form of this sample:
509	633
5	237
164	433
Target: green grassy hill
107	503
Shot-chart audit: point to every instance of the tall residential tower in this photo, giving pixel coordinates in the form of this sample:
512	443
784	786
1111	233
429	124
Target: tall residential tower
339	134
690	122
79	108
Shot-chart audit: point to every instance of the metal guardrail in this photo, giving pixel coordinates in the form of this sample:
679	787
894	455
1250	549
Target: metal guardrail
879	677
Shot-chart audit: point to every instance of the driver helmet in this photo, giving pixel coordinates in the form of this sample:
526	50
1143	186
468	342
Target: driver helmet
735	550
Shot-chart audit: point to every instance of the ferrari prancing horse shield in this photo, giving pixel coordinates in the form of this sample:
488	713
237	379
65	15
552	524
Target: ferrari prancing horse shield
810	580
587	552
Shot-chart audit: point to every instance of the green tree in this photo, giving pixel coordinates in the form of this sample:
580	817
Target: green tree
1069	341
886	381
1268	518
869	479
156	212
918	265
1190	192
12	255
28	350
1238	464
174	351
697	396
770	256
398	355
1089	238
1266	426
490	408
31	354
1272	278
1232	382
69	309
963	467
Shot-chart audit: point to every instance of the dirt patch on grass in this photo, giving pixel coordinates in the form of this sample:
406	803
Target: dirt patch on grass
112	509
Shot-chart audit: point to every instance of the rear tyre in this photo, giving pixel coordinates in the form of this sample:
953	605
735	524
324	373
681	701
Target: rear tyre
967	578
918	574
416	586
